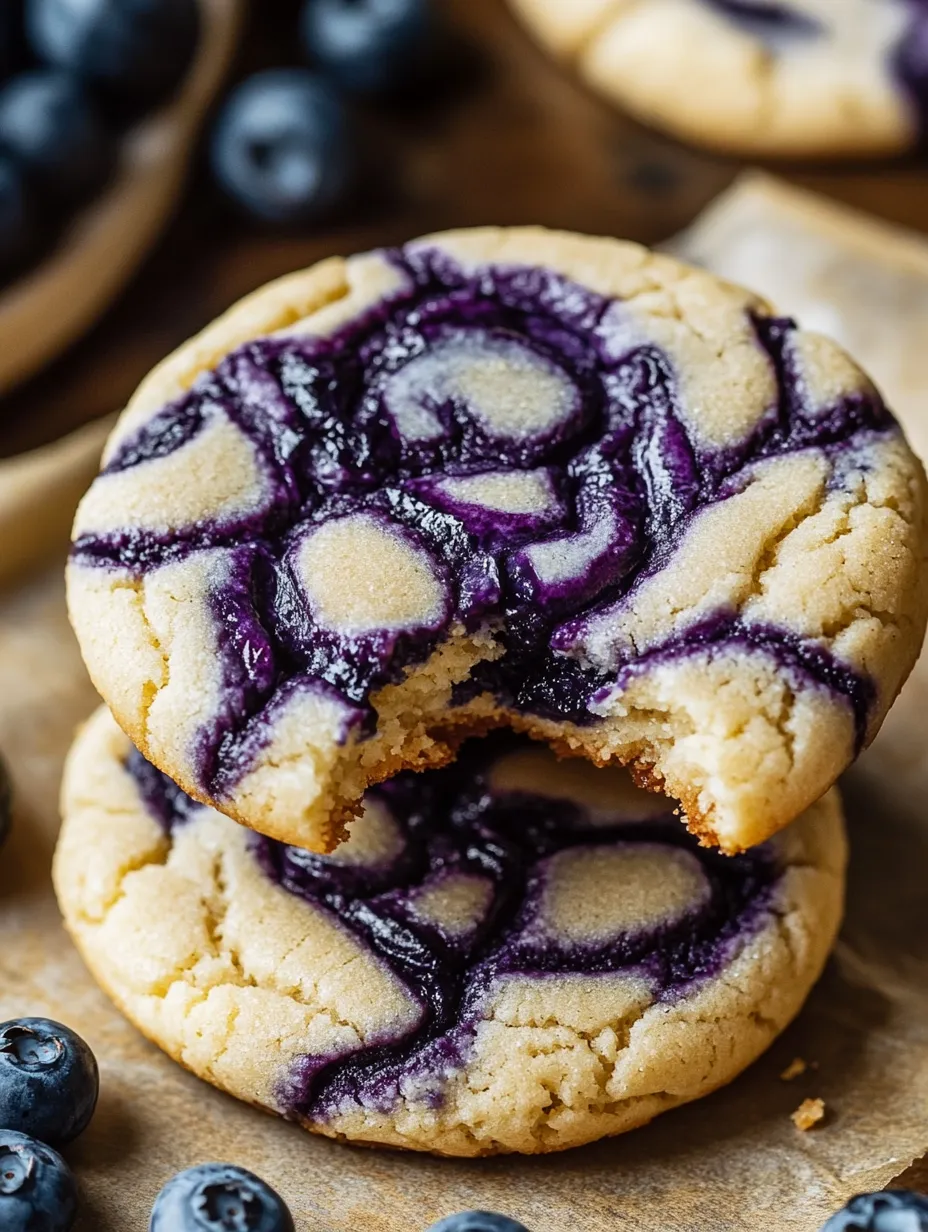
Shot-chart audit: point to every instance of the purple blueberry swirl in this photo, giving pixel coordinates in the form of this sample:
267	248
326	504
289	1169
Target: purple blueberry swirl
517	498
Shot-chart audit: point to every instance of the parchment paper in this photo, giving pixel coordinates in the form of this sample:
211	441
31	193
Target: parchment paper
731	1162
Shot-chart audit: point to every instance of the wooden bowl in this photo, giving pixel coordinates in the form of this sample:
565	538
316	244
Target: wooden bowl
51	305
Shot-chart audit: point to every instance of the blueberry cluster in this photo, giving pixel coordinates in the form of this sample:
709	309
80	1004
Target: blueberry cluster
284	148
48	1092
73	74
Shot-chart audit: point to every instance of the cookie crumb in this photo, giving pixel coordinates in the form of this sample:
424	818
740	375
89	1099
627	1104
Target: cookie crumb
796	1068
809	1113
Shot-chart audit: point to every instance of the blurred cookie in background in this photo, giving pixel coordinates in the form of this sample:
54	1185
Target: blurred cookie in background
773	78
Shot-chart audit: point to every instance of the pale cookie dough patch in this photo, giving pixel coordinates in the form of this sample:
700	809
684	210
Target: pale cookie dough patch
507	388
594	895
503	491
167	500
454	904
362	575
735	728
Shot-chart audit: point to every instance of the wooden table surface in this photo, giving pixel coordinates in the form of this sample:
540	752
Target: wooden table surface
511	139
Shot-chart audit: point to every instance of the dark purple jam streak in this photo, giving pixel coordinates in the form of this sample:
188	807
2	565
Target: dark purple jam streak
451	822
314	411
768	18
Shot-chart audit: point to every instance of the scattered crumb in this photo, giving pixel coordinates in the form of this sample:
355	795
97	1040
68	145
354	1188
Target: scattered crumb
795	1069
809	1113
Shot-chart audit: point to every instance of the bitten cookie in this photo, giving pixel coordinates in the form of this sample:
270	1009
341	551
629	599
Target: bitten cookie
509	954
502	478
754	77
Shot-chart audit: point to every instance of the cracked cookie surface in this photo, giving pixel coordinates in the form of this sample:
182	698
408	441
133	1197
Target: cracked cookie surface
763	77
502	477
513	953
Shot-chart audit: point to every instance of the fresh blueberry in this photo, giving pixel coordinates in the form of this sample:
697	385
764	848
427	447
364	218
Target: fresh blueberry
283	148
371	46
132	50
217	1198
48	1080
477	1221
892	1210
49	125
37	1190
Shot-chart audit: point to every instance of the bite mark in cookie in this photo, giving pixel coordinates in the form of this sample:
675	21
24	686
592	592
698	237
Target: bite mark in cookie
530	480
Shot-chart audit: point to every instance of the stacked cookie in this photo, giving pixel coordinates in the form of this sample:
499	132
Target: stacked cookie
360	557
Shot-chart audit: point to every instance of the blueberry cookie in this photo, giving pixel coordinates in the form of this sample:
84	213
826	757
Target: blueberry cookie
755	77
513	953
502	478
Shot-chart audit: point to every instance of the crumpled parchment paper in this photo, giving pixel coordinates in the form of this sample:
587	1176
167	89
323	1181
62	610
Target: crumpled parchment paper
729	1163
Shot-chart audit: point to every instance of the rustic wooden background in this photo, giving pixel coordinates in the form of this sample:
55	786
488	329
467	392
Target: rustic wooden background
511	138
